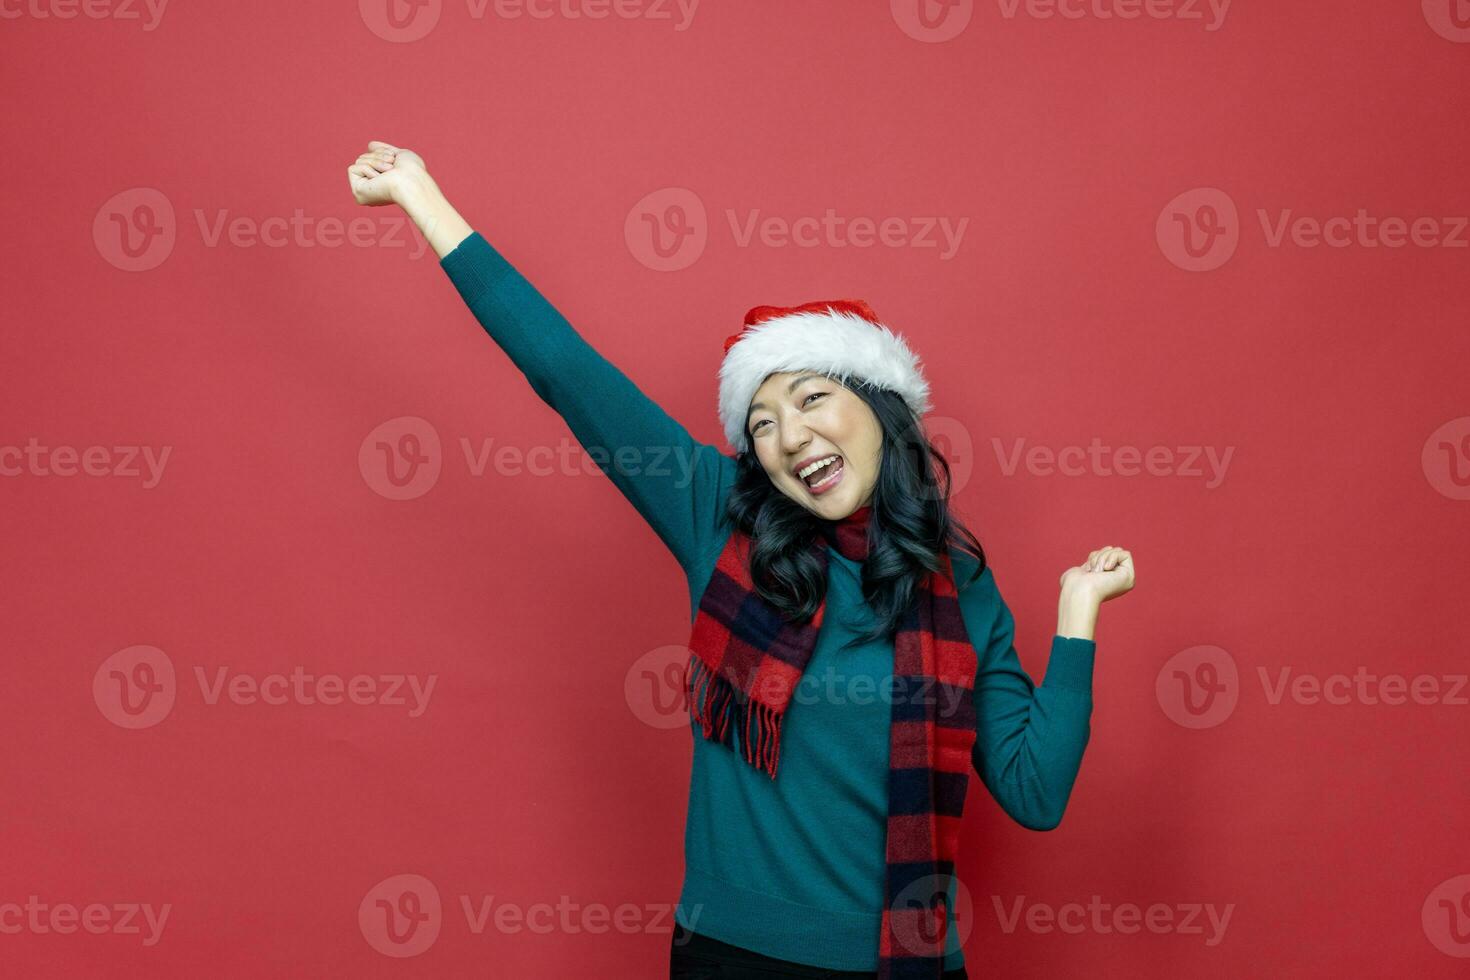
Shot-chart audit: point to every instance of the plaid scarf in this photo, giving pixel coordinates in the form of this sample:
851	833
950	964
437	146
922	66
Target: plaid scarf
745	663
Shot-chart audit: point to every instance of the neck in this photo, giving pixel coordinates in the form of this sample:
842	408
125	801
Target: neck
849	535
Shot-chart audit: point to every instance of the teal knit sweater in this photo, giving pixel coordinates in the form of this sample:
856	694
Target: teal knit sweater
793	867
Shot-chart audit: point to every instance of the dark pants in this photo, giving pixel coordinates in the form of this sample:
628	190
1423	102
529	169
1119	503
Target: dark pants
696	957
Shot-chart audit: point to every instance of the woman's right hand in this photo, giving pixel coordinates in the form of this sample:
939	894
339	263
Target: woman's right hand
386	174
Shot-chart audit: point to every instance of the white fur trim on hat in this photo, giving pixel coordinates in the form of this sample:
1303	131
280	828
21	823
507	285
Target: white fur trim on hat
834	343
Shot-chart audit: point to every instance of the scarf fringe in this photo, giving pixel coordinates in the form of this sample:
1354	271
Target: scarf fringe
728	717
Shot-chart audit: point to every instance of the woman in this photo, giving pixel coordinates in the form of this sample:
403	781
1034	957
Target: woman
822	829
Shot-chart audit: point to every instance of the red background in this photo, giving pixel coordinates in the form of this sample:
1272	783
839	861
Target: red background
1327	547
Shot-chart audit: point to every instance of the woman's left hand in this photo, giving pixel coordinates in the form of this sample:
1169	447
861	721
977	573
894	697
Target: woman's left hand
1106	574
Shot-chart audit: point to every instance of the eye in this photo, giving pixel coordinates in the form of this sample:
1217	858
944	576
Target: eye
816	394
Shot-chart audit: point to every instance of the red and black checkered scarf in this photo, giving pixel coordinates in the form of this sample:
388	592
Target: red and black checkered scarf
745	664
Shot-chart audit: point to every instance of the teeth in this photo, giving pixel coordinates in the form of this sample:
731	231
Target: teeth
808	471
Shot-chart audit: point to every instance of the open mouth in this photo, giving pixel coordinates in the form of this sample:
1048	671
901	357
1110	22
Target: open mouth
825	477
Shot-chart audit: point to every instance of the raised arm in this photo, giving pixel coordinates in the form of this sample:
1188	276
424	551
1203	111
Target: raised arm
676	483
1029	740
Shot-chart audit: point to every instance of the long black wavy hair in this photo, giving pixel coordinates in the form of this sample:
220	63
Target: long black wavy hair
909	526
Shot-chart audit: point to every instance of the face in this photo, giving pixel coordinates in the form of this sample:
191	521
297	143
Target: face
799	418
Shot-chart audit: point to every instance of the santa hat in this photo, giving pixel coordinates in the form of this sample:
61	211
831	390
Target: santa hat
842	338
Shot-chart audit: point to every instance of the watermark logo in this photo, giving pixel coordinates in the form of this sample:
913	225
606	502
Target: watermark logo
405	21
401	916
667	230
1450	19
1198	230
1446	458
135	687
655	690
135	229
951	437
1198	687
401	458
400	21
918	913
1446	916
654	687
932	21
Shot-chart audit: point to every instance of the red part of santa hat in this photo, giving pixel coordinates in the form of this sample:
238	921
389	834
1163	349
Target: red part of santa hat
760	314
842	338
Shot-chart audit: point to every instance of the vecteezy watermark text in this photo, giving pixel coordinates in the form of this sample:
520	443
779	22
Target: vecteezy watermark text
1183	10
405	21
1364	687
136	687
63	918
1200	230
1097	459
300	687
1199	687
128	10
136	230
115	461
1126	918
935	21
401	459
668	229
654	688
403	915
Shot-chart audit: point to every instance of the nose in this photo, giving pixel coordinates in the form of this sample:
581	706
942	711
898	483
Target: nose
794	437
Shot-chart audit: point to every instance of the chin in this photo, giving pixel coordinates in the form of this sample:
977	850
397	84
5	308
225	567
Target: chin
828	505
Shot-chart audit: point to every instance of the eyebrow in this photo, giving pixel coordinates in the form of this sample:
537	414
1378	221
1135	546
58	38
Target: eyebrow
789	389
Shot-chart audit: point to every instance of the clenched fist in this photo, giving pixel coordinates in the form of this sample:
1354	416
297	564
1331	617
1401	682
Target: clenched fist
386	174
1107	573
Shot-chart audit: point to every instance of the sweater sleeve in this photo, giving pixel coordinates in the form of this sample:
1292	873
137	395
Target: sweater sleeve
677	484
1029	740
